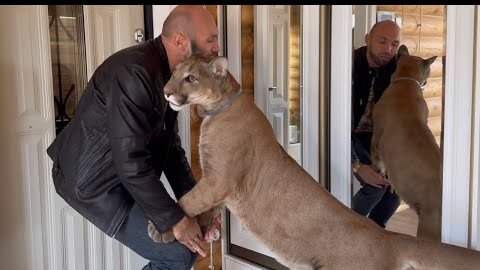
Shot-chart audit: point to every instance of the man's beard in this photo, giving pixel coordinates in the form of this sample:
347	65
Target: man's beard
196	51
379	61
194	48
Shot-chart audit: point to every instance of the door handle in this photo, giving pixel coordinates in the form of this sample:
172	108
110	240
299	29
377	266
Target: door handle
138	35
272	88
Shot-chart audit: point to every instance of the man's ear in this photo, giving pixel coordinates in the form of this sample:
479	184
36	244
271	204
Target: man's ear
180	41
367	37
219	65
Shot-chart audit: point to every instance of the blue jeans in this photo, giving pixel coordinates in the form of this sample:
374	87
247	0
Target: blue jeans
133	234
379	204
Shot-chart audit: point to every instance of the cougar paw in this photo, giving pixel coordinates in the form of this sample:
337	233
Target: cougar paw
158	237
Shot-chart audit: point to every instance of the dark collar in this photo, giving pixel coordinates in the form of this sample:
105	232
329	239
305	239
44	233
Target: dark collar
164	65
224	104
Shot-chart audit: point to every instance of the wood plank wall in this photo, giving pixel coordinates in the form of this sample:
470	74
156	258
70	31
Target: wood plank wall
423	32
294	65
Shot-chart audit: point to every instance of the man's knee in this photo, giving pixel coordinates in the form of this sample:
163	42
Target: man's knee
370	194
175	256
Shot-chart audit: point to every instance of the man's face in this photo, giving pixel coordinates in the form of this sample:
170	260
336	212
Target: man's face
205	42
382	45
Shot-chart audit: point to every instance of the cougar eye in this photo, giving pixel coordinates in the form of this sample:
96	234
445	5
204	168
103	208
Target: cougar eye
191	79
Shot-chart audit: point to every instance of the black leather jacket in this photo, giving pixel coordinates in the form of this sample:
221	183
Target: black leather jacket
123	136
362	76
362	80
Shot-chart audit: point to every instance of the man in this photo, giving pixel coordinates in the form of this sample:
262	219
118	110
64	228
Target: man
108	160
373	65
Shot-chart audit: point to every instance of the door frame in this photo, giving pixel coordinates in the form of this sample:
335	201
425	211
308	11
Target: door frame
458	117
475	220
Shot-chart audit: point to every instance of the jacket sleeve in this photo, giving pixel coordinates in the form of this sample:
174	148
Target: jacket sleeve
129	110
177	169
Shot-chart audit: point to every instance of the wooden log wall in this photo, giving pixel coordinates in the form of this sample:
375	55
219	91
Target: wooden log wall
423	32
294	66
247	47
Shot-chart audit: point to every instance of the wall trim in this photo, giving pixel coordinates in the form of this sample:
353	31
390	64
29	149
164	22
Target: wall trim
475	189
340	117
457	126
310	89
261	16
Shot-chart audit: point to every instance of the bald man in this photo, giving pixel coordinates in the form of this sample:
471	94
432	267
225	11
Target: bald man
108	160
373	65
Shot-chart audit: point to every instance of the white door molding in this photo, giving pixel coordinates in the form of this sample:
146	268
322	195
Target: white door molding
340	100
310	89
457	128
475	220
261	17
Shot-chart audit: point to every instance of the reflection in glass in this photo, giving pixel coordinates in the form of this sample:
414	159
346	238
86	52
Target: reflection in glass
67	44
423	32
294	85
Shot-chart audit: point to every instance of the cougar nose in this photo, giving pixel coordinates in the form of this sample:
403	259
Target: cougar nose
167	91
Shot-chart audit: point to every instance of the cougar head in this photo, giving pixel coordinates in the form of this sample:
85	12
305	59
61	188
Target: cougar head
197	81
412	66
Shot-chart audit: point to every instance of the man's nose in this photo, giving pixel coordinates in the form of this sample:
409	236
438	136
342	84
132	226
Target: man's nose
216	47
389	48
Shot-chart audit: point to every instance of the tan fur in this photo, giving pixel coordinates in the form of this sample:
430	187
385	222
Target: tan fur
246	169
403	144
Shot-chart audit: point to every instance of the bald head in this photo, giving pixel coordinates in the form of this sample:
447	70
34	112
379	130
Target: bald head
382	43
386	26
189	30
184	19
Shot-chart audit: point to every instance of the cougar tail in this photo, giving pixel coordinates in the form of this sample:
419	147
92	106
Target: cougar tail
414	253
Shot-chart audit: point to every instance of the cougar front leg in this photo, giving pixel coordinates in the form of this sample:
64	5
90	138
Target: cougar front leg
207	193
377	163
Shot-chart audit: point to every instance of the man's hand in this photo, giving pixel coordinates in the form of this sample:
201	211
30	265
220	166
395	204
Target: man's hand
371	177
187	231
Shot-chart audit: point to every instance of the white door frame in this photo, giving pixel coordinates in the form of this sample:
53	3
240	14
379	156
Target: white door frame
457	124
475	220
340	102
457	142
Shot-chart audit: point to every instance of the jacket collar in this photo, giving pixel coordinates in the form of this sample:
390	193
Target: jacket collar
164	65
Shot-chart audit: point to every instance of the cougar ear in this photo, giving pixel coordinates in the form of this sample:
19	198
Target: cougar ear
429	61
219	65
402	51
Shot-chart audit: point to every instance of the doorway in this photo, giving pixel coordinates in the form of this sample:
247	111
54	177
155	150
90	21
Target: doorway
270	62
